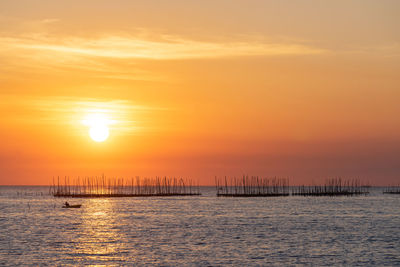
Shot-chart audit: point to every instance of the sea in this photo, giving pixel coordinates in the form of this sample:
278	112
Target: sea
198	230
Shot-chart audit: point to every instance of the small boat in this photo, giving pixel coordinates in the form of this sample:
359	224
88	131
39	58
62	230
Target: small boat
71	206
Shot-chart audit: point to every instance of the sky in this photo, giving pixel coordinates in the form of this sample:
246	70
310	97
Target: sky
305	90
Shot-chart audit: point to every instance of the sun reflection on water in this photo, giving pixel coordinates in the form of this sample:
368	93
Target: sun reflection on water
101	235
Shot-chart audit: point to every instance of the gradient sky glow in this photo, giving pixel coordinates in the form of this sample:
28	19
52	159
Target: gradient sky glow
302	89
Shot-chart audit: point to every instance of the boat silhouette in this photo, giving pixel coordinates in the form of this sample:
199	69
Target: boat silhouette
68	206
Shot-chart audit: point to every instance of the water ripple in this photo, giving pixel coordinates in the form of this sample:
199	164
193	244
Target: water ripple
199	231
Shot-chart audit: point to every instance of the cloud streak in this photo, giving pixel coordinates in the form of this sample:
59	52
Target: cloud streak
167	47
118	56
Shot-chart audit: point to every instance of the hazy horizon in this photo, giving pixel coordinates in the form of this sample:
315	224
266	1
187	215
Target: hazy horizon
305	90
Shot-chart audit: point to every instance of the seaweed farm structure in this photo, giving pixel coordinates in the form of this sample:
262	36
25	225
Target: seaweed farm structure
96	187
333	187
253	186
392	190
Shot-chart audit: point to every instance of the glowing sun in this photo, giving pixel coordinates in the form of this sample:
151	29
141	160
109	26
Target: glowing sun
98	124
99	133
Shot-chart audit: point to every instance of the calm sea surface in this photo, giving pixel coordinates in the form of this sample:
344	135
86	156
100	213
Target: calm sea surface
199	231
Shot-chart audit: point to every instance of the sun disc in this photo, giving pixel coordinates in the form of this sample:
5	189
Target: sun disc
99	133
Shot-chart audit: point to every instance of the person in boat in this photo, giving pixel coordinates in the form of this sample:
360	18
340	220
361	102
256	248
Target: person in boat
66	204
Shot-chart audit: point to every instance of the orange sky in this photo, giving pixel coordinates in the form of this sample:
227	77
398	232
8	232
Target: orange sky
300	89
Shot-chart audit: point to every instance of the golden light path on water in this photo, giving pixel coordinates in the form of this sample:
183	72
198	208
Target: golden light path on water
100	235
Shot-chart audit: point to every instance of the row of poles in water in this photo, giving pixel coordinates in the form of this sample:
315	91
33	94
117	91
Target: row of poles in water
258	186
103	186
246	186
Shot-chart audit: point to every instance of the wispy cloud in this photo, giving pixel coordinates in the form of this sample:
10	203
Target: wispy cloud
165	48
111	56
40	46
